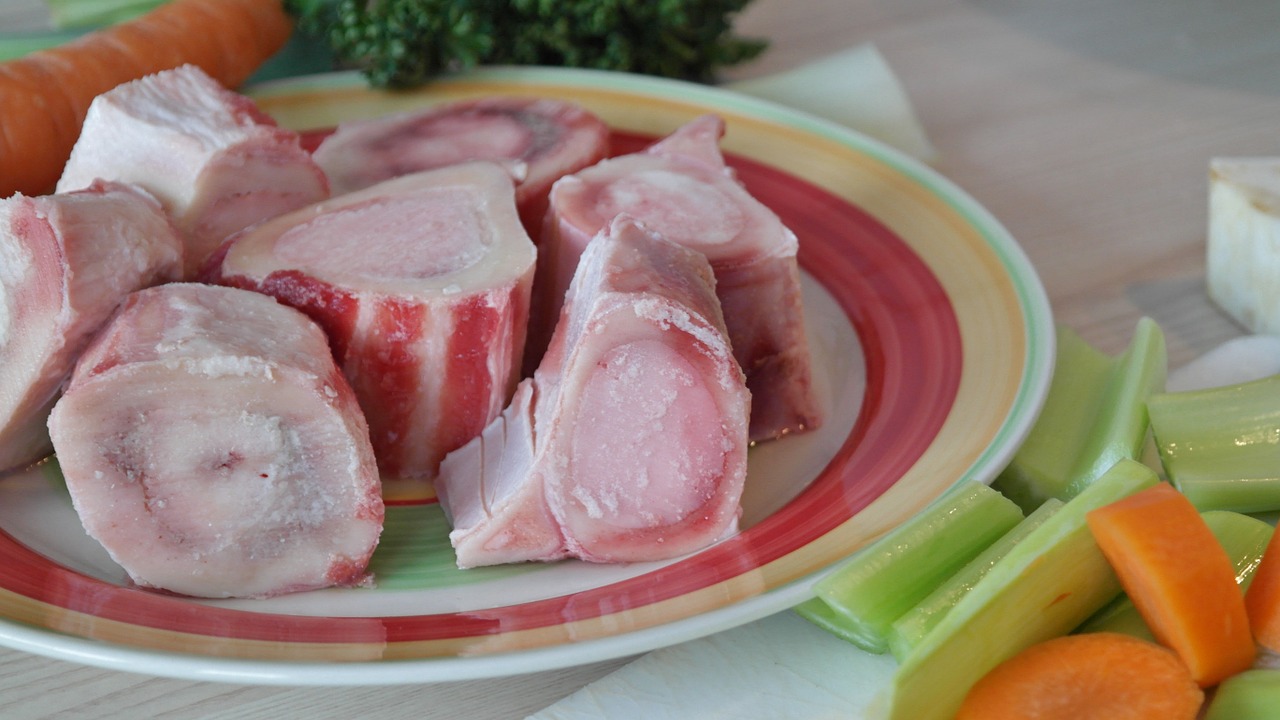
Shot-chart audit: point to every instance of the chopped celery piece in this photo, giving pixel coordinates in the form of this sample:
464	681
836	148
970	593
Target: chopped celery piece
1221	446
1119	616
1046	586
880	583
907	631
1243	537
1094	414
1250	695
819	613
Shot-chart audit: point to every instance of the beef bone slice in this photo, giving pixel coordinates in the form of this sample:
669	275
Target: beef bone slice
212	446
538	140
216	162
630	441
422	283
66	262
681	188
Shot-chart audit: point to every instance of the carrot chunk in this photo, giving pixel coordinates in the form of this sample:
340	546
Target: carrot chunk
1180	579
1262	599
1093	676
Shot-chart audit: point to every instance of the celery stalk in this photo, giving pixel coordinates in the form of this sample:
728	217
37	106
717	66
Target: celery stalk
1243	537
1119	616
1094	414
819	613
1046	586
1221	446
879	584
909	630
1250	695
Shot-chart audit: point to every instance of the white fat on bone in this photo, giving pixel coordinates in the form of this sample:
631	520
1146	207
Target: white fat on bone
216	162
66	262
630	441
211	445
681	188
422	283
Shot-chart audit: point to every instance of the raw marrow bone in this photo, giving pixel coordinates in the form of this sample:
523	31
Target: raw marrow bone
213	448
66	262
630	441
422	284
682	189
215	161
538	140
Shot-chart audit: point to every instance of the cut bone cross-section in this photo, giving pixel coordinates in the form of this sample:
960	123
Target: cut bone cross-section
630	441
422	283
66	262
682	189
212	446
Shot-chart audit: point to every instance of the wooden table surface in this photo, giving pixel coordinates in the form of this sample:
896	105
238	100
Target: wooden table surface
1085	126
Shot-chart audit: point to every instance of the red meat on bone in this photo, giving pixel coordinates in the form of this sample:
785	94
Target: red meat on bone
422	283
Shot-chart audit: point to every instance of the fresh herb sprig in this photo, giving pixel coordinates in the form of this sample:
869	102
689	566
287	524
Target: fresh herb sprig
402	43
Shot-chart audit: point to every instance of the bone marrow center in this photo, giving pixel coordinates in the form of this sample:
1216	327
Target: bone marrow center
430	235
641	456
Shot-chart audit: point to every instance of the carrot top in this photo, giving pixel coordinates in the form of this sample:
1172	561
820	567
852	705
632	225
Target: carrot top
1179	578
1093	676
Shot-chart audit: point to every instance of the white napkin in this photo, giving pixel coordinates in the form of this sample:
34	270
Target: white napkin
782	666
1243	359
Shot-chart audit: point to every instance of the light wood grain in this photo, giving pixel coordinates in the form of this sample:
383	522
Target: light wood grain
1085	126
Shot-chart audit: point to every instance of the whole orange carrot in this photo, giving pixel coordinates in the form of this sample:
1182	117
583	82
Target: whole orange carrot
1180	579
44	96
1093	676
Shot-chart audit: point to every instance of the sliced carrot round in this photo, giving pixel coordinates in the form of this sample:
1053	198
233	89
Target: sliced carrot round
1094	676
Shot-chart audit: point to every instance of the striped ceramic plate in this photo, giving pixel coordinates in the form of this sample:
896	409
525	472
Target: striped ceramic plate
933	343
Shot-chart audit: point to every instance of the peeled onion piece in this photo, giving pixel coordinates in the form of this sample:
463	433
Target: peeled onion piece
422	284
537	139
216	162
66	262
213	448
630	441
681	188
1243	246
